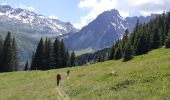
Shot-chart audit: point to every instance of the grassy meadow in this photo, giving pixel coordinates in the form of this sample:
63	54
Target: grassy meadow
146	77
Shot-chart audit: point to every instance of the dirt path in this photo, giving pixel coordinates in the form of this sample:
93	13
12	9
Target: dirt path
62	94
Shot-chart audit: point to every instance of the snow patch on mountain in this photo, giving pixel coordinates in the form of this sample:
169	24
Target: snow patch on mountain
39	23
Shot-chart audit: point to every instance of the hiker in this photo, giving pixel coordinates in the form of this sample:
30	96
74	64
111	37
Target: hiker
68	72
58	78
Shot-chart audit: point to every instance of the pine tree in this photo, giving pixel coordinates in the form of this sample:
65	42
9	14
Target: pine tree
118	53
167	42
39	58
67	59
118	42
140	44
15	58
26	66
72	59
62	55
127	55
32	67
1	50
167	24
156	39
112	51
133	35
56	49
7	58
48	55
99	58
162	36
124	39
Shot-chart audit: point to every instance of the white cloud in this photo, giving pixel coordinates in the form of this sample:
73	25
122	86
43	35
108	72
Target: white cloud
3	3
53	17
96	7
125	7
26	7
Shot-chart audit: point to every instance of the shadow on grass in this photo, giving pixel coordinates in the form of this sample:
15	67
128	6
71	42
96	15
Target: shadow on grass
123	84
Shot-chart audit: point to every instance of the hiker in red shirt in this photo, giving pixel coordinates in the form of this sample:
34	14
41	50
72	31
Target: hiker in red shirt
58	78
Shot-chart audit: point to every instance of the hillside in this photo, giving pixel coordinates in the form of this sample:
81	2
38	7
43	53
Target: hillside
107	28
28	27
146	77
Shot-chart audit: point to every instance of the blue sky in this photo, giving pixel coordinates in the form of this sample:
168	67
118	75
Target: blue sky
81	12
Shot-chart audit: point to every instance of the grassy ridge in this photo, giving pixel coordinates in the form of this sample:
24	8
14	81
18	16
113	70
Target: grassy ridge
146	77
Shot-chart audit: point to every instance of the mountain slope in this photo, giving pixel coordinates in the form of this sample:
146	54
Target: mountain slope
20	20
103	31
145	77
28	27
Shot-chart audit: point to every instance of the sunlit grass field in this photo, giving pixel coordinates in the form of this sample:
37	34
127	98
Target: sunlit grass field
145	77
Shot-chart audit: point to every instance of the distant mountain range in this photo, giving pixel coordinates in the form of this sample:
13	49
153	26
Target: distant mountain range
28	27
103	31
25	21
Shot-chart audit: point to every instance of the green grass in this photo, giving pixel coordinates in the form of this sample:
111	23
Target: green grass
146	77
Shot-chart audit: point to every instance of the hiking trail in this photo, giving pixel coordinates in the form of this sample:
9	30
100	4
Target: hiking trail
62	94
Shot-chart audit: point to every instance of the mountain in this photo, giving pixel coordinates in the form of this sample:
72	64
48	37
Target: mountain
28	27
103	31
25	21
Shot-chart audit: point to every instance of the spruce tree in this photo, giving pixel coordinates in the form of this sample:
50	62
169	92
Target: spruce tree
140	44
167	42
56	53
99	58
112	51
156	39
118	42
7	58
133	35
48	55
167	24
127	55
72	59
67	59
162	36
26	66
15	58
1	50
32	67
118	53
39	58
125	38
62	55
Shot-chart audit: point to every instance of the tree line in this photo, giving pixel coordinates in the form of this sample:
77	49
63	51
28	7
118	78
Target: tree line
143	39
90	58
121	49
8	54
50	55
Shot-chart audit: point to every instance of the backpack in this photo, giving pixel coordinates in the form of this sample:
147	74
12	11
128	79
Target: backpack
58	76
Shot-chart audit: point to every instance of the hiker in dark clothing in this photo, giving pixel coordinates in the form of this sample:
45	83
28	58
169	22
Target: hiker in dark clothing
68	72
58	78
